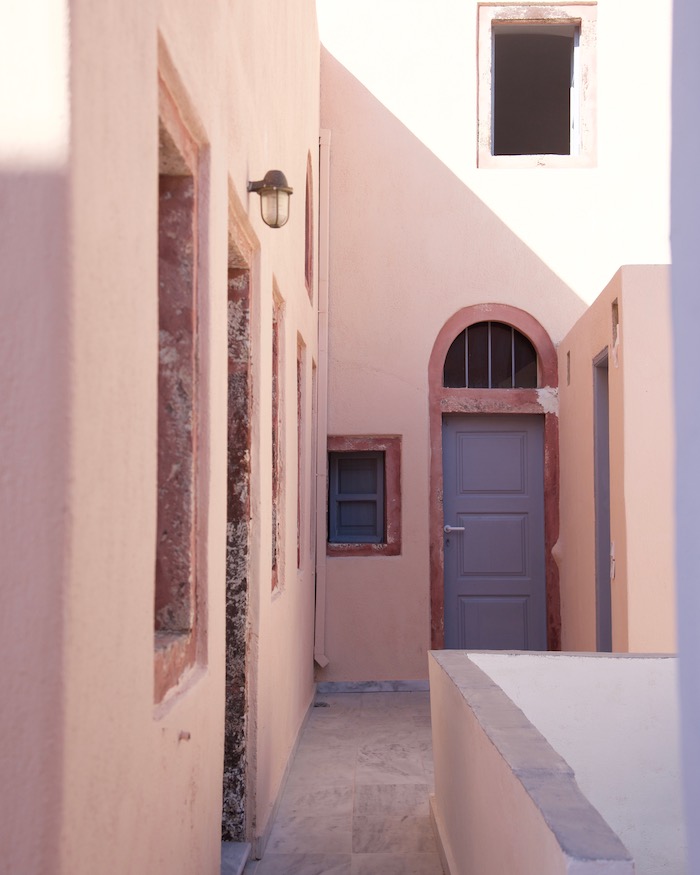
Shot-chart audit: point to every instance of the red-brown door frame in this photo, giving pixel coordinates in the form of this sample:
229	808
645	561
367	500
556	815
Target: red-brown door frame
444	401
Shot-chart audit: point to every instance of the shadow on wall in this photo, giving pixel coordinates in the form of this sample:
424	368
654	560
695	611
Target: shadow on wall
411	239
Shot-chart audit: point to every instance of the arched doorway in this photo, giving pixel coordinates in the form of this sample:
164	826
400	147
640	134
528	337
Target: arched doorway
507	403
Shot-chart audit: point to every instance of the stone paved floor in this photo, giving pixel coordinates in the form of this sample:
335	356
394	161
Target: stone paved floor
356	801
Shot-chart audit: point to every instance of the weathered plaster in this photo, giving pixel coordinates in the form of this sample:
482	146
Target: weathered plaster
548	399
238	522
176	392
179	350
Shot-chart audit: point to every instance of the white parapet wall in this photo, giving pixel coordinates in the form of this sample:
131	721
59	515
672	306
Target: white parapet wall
556	763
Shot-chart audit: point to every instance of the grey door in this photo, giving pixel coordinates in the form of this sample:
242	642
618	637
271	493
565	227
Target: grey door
493	492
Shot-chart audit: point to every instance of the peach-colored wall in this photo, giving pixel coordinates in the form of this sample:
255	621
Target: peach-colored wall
418	232
94	778
575	551
649	459
641	462
34	428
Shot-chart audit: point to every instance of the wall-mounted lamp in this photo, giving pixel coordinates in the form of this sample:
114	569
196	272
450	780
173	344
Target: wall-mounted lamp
274	191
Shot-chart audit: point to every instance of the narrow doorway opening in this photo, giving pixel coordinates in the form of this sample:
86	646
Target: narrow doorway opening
601	414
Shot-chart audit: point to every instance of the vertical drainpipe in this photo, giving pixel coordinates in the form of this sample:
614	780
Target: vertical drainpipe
324	150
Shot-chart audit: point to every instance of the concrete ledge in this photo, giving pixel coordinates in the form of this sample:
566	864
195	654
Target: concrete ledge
505	800
372	687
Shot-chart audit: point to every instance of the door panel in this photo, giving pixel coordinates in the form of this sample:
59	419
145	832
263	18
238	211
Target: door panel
492	544
490	462
494	623
494	568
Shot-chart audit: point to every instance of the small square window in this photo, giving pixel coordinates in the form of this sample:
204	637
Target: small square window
364	496
536	86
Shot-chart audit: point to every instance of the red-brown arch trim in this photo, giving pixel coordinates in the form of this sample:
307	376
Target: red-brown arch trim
444	401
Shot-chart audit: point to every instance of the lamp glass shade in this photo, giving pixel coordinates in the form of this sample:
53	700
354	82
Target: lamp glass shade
274	207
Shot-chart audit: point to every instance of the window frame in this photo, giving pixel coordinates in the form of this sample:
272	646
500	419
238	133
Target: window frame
336	532
179	618
390	447
581	15
514	335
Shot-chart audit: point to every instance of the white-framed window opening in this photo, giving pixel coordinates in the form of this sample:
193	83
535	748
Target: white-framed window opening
536	83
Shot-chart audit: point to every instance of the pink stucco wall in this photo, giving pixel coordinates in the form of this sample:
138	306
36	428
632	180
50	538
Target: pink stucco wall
34	435
420	232
96	778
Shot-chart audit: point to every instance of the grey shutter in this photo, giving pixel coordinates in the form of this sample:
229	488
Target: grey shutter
356	498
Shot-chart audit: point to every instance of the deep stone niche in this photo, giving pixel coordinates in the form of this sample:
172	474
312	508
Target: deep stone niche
233	826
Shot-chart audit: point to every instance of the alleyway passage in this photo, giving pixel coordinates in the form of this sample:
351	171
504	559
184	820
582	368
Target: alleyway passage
356	801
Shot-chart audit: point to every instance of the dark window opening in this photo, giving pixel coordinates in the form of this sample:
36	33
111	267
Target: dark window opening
356	511
490	355
533	81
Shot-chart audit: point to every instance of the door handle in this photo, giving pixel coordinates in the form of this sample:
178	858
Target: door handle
449	529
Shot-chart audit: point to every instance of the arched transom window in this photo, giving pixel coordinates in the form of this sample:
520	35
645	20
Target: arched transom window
490	355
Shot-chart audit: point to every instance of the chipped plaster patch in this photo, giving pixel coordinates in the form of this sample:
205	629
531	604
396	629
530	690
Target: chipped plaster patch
549	399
